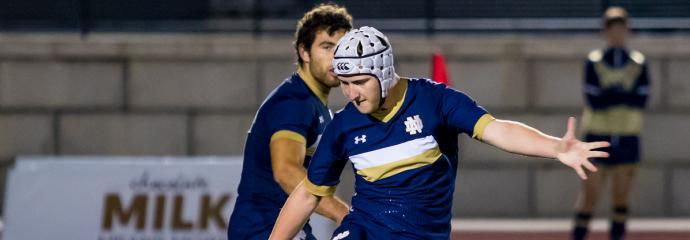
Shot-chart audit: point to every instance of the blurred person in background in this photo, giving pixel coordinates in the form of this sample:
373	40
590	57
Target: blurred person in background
401	136
287	128
616	87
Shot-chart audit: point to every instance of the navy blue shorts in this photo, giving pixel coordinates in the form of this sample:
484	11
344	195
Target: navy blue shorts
623	149
358	227
252	221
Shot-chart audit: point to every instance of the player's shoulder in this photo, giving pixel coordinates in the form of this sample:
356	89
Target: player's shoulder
291	90
422	82
595	55
637	56
424	89
423	86
294	86
283	102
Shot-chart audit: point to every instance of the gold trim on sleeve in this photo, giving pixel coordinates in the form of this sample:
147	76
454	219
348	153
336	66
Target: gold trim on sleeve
481	124
289	135
322	191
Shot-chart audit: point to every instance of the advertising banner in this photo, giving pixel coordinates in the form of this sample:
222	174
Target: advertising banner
122	198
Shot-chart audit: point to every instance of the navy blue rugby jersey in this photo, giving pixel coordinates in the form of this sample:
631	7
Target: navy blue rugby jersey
405	163
296	110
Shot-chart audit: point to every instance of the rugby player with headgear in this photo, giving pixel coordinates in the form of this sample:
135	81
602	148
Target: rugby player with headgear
400	134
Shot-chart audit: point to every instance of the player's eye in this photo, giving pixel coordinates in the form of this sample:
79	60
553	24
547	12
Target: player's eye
327	46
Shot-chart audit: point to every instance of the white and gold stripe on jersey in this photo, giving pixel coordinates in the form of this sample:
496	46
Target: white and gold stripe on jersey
389	161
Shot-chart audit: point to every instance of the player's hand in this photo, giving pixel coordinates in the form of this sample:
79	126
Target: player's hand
575	153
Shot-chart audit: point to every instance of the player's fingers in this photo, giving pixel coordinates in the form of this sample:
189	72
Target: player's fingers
595	145
580	172
570	132
589	166
598	154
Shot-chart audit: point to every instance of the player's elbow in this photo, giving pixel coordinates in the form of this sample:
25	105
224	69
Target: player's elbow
287	178
280	177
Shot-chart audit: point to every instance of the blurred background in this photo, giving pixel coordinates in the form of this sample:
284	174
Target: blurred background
185	78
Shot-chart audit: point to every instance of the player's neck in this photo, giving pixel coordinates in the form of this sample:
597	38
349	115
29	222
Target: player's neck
392	103
318	88
615	44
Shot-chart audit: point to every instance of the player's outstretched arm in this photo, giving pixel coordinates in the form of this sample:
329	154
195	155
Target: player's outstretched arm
295	213
519	138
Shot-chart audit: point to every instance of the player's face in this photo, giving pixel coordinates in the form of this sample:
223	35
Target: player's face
616	34
321	57
363	91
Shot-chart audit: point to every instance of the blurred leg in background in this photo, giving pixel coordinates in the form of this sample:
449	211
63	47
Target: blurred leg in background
587	200
622	179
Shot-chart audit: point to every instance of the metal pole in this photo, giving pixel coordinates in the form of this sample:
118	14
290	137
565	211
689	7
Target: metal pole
84	18
257	15
430	16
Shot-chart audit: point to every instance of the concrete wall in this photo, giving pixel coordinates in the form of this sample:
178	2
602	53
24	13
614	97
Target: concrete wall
176	94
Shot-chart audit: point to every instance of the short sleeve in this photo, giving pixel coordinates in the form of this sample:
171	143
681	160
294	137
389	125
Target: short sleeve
290	118
462	112
327	163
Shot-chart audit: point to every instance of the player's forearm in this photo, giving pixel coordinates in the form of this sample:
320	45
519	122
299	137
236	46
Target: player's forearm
288	177
333	207
294	213
519	138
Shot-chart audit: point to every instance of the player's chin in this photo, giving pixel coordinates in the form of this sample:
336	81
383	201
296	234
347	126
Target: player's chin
364	108
332	83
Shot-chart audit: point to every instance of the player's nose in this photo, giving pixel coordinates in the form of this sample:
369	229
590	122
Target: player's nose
350	93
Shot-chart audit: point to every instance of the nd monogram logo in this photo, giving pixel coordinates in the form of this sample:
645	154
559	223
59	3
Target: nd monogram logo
413	125
360	139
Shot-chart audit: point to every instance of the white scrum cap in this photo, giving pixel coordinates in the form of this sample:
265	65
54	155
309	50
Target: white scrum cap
366	51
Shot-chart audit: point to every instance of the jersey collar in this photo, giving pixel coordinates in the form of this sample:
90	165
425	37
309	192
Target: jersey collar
316	87
396	94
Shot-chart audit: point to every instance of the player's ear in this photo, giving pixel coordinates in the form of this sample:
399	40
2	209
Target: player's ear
304	53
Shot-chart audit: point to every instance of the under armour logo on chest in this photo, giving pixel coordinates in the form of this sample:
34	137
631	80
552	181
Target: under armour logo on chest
360	139
413	125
